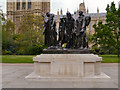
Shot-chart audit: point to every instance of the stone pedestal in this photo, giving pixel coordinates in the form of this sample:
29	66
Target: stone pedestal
67	65
66	51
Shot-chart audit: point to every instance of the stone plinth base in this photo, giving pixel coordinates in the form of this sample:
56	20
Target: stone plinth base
34	76
66	51
67	66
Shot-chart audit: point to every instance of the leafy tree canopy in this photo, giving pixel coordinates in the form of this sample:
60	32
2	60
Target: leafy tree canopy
107	36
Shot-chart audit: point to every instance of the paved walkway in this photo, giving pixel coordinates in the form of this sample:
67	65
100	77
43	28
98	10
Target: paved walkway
13	76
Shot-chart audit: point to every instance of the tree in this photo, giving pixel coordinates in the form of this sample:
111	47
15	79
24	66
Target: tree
107	36
89	38
7	29
1	19
29	40
30	35
7	36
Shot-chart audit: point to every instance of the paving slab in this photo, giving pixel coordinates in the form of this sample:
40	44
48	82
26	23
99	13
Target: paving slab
13	76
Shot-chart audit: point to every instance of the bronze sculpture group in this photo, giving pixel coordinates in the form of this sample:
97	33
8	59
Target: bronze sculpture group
50	30
71	31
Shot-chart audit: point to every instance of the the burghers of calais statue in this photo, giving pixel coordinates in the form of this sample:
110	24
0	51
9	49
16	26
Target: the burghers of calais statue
50	30
61	30
66	28
71	32
69	28
53	32
82	22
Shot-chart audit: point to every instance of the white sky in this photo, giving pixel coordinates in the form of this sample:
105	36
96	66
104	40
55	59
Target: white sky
72	5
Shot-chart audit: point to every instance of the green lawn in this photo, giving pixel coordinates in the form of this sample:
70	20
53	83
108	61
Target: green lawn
110	59
29	58
17	58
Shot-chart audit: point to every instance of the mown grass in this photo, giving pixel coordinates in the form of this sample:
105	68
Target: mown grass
110	59
29	58
17	58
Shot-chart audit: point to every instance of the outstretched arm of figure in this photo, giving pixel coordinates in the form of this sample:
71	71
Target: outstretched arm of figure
83	25
88	19
43	17
43	31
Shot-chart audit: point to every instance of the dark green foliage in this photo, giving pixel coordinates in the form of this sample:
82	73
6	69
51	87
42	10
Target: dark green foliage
29	40
7	40
35	49
89	38
107	36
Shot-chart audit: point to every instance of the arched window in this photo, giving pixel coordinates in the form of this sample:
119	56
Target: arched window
29	4
18	4
23	4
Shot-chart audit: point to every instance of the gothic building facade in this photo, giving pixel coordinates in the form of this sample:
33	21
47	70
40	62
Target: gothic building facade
17	9
95	17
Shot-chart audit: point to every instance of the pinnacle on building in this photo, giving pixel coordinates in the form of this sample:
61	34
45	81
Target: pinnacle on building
82	7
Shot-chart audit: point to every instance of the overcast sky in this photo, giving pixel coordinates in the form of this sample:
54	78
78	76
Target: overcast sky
72	5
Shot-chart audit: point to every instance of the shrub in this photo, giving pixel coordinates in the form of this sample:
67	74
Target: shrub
6	52
21	51
35	49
